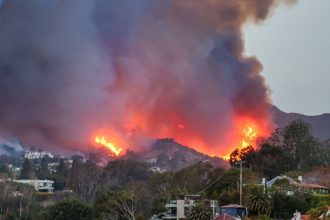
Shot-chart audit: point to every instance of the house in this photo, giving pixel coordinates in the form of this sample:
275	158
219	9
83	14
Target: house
52	167
289	185
178	209
234	210
315	188
151	160
32	155
157	170
39	185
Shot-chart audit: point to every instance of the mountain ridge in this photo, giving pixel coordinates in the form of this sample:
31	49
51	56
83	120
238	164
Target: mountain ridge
167	154
320	123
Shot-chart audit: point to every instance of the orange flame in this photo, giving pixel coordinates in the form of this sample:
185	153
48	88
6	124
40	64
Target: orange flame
249	136
101	140
137	131
248	133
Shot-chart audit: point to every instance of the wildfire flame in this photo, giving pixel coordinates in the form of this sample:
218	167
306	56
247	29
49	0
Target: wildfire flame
101	140
244	132
249	135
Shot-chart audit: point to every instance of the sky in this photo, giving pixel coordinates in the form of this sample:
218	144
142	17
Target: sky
294	48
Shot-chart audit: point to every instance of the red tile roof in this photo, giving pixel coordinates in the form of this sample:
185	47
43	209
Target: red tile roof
232	206
313	186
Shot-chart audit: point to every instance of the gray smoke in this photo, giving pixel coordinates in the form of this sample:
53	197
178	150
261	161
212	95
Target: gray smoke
68	68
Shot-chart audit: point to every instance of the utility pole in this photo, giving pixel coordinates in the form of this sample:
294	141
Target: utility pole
241	183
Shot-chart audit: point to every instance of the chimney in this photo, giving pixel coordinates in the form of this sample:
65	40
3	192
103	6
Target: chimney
300	179
263	182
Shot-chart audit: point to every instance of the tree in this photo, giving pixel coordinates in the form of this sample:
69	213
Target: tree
115	205
27	170
62	168
300	145
61	175
321	210
84	179
43	172
68	209
119	172
226	181
200	212
259	202
194	178
284	205
234	156
228	197
271	160
4	171
241	155
104	206
142	197
17	200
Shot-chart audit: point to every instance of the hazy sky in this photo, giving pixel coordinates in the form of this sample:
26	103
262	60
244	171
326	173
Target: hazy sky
294	48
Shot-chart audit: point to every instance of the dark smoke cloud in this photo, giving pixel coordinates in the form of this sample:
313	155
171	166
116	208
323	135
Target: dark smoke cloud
70	67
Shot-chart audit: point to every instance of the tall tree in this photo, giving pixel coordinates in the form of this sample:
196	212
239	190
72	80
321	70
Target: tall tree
84	179
62	168
43	172
61	175
73	180
27	170
245	154
115	205
259	202
271	160
300	145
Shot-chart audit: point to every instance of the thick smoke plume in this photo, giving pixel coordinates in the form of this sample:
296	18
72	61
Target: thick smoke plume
137	69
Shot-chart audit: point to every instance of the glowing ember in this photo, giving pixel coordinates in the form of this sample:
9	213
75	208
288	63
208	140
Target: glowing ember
226	157
101	140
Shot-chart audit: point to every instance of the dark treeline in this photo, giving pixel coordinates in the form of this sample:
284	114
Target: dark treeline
288	149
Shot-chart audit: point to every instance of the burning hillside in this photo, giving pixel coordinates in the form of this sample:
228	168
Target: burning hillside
115	74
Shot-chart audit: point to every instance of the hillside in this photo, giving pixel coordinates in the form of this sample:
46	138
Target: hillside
320	123
170	155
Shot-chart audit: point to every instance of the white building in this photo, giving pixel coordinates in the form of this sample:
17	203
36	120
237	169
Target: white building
178	209
39	185
157	170
31	155
151	160
296	183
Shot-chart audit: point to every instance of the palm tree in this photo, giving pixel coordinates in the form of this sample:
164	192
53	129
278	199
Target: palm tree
200	212
259	202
